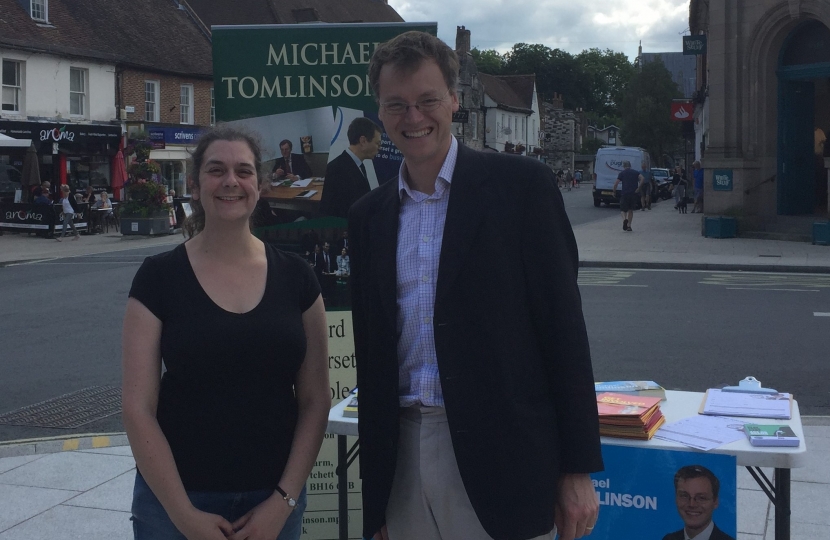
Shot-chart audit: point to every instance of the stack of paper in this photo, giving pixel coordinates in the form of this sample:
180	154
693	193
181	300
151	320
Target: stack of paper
629	417
720	403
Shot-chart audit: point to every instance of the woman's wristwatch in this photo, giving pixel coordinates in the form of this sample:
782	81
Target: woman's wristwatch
289	500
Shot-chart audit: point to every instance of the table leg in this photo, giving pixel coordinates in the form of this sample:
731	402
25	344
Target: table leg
342	488
782	504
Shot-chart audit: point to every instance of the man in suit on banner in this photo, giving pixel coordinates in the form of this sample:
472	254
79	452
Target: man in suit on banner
478	415
696	490
291	166
346	179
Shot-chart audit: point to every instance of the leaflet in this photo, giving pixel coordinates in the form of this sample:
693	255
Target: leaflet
302	183
703	432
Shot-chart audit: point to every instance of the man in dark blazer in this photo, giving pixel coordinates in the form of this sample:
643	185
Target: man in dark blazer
478	414
696	493
292	166
346	179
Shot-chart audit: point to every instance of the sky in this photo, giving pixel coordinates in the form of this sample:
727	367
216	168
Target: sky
569	25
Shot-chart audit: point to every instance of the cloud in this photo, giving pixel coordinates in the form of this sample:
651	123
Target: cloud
570	25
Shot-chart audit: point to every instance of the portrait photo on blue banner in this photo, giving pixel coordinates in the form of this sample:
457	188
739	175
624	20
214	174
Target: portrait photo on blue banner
647	494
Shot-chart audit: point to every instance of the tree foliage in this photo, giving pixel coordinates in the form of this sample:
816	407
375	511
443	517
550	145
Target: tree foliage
593	80
488	61
646	110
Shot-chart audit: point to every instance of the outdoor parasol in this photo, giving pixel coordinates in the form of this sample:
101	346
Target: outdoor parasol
31	171
119	175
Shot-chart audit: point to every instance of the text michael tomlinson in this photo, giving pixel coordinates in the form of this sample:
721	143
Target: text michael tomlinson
280	85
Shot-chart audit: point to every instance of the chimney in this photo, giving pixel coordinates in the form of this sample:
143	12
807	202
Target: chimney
557	101
462	41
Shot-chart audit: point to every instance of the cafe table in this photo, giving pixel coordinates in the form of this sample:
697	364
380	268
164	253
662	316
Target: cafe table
678	405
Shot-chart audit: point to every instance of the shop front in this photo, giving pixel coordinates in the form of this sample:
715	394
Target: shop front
79	155
171	149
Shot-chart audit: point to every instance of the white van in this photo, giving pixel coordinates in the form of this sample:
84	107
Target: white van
608	165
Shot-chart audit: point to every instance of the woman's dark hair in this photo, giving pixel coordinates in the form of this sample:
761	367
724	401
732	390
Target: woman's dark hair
195	223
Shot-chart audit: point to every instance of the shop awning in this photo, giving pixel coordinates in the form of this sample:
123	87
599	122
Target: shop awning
10	142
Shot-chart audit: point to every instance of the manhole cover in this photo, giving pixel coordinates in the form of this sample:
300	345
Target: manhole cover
69	410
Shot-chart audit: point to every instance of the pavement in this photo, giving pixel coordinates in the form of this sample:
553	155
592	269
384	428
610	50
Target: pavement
81	486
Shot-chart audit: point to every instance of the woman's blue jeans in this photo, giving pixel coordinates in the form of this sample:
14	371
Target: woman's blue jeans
150	520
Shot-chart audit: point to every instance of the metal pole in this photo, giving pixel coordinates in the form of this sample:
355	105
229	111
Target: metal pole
342	488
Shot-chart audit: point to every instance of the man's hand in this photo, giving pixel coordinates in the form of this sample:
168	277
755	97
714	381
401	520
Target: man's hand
279	173
382	534
577	506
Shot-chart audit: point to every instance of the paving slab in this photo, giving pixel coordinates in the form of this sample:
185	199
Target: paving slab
117	494
19	503
68	470
112	451
753	509
73	523
9	463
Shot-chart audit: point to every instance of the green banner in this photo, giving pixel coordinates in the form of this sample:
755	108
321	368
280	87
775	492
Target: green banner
272	69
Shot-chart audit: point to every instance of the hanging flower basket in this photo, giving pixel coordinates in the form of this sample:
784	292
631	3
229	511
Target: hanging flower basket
143	170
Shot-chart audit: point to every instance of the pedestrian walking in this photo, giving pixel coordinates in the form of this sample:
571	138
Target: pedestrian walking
628	199
68	208
679	182
645	187
697	173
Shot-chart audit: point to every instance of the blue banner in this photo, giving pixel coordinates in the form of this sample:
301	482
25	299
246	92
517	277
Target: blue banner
638	499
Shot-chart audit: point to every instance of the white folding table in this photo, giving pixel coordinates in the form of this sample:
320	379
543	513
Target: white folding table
678	405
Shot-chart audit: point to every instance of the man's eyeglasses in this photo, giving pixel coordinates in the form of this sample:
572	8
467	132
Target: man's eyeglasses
397	108
698	499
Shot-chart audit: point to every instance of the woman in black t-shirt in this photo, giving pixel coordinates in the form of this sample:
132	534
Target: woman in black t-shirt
225	440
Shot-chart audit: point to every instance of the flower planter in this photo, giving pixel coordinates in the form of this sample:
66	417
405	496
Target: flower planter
155	223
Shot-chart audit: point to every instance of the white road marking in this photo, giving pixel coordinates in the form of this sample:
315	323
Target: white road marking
608	285
769	289
821	314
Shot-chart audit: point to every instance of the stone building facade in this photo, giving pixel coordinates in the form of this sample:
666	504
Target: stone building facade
564	132
762	109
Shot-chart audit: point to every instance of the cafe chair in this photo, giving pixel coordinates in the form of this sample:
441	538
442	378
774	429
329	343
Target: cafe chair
111	218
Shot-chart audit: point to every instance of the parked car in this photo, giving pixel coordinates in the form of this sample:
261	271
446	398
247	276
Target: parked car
662	184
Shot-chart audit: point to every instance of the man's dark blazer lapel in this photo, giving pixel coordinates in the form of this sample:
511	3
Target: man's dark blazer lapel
383	231
468	201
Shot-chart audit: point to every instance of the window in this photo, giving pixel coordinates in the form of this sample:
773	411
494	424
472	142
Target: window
77	91
40	9
474	125
151	101
212	108
12	86
186	106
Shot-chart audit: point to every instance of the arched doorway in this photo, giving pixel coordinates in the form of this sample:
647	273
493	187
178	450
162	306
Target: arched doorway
803	119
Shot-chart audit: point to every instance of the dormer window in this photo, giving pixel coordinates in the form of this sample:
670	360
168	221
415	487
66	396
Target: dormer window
40	10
